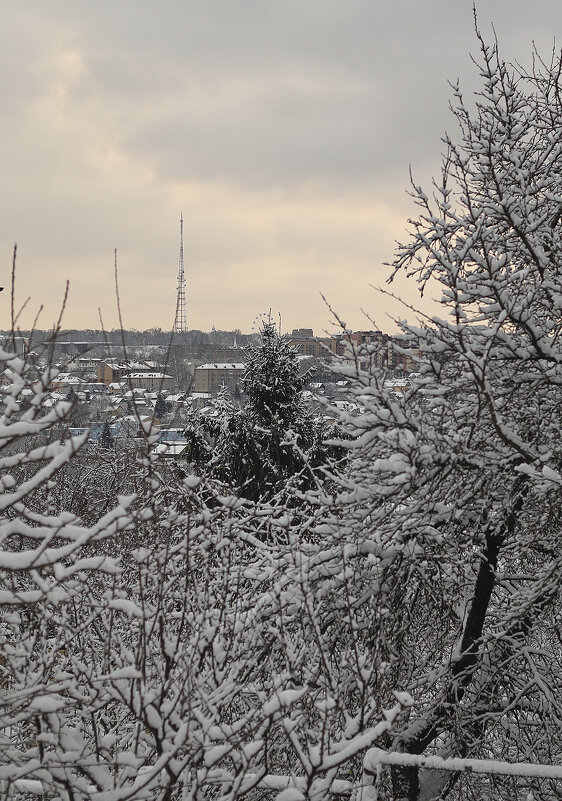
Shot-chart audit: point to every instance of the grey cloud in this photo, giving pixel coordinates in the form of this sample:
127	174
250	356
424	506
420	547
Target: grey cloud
315	102
278	94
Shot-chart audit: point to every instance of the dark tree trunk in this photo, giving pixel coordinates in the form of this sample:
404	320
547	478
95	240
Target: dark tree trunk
405	780
405	783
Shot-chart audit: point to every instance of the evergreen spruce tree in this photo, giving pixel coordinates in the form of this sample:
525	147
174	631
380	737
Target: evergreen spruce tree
106	439
270	445
272	382
160	407
264	443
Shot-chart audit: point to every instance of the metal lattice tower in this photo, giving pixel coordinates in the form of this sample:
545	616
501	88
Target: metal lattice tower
180	323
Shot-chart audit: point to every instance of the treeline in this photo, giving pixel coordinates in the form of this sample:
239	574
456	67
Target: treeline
152	336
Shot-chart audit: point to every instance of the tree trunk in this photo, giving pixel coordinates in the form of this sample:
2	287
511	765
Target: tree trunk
405	780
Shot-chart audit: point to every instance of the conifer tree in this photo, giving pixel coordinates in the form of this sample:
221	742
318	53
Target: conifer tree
160	407
106	438
272	444
272	381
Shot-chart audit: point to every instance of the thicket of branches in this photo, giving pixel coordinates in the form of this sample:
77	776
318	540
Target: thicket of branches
195	640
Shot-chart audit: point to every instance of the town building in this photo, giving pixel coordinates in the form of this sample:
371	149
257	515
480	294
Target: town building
111	372
85	364
307	344
150	380
211	377
227	355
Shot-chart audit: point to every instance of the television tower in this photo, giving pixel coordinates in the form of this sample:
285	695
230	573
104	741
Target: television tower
180	323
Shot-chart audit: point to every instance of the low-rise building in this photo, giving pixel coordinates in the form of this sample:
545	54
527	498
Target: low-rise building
150	380
111	371
308	345
211	377
85	364
64	381
227	355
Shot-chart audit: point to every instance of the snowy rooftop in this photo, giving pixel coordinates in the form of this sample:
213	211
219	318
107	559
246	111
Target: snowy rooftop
222	366
68	378
154	376
169	448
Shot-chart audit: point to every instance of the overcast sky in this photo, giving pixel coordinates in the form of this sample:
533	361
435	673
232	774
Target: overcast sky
283	129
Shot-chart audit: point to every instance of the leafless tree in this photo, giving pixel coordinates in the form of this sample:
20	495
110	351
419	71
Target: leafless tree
456	493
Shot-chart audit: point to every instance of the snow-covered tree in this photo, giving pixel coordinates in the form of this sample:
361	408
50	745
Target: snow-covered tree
148	652
272	381
160	407
455	490
45	556
272	444
106	437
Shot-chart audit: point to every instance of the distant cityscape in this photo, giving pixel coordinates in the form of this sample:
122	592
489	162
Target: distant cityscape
121	381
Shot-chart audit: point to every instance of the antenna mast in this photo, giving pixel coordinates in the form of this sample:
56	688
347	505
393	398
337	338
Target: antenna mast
180	323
